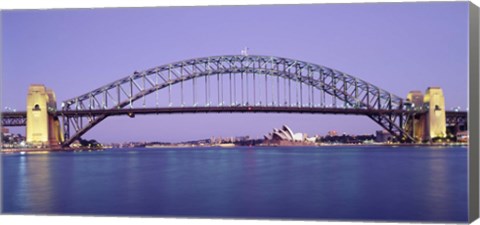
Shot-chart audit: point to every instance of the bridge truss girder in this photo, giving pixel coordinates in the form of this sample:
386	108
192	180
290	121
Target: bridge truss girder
14	119
456	122
318	81
14	122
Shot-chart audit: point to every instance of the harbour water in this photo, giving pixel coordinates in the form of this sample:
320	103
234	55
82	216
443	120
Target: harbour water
320	183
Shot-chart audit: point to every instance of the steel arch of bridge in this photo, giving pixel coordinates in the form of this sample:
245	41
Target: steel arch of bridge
381	106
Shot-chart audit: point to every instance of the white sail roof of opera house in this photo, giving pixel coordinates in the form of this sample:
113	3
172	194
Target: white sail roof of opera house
284	134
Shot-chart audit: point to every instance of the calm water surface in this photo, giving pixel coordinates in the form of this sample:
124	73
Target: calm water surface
347	183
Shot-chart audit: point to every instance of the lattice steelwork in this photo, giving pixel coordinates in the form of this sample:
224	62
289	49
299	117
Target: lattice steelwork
236	81
457	120
14	119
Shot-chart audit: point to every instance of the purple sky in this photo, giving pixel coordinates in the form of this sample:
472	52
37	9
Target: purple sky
396	46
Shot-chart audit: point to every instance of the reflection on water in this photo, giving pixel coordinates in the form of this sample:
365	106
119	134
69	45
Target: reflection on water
22	181
33	175
41	182
353	183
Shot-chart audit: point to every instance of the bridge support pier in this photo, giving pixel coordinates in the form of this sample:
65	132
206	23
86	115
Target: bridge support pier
435	121
43	128
416	122
430	125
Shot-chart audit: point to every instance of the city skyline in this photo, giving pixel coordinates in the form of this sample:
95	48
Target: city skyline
398	47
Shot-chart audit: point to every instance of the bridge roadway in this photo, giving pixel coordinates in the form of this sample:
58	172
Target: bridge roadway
20	118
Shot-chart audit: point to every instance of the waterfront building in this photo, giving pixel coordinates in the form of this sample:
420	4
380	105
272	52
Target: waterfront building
332	133
462	136
382	136
285	136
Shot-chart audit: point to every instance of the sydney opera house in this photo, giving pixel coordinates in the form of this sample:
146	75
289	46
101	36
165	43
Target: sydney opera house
285	136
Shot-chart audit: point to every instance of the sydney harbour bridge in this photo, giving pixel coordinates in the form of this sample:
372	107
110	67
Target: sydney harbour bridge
234	84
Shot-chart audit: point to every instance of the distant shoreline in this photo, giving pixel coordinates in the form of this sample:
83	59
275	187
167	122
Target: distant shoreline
48	150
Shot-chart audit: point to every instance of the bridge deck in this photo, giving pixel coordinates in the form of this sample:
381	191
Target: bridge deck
230	109
19	118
